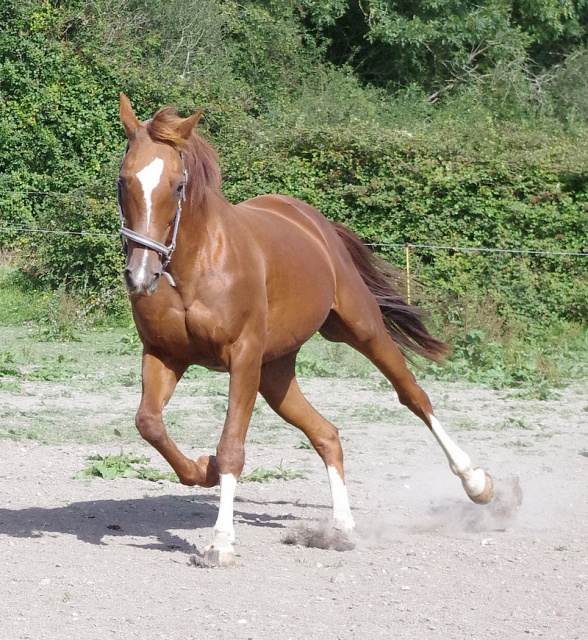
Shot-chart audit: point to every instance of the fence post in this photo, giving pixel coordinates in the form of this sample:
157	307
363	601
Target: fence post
407	252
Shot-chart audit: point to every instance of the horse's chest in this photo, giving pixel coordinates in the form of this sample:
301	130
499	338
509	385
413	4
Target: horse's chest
192	335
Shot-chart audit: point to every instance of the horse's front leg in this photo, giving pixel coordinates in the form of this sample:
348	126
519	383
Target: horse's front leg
160	377
230	455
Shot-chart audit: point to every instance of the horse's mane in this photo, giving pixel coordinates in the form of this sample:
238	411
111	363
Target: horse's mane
200	158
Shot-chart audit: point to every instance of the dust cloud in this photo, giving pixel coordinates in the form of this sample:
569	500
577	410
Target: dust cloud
456	517
320	535
450	517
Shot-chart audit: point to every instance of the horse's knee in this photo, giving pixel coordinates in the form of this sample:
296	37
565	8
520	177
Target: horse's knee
150	426
230	457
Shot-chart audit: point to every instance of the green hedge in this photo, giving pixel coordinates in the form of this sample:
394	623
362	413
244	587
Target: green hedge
394	189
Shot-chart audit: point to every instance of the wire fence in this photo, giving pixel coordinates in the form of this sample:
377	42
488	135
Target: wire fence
59	232
540	252
407	246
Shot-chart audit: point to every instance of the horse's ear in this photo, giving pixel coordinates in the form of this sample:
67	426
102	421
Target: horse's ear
185	127
128	118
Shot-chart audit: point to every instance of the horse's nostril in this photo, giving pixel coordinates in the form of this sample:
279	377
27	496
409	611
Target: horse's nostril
154	282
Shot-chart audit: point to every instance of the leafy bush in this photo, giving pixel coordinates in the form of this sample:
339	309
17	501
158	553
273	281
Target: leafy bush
484	164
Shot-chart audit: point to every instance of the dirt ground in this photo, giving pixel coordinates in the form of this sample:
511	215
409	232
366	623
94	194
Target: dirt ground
98	559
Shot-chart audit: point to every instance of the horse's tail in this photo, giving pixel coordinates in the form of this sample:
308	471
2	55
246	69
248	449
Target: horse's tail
403	321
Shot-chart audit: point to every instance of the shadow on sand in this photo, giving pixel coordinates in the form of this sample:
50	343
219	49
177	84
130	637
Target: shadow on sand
154	517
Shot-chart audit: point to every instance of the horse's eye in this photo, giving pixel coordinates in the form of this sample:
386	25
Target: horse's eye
180	188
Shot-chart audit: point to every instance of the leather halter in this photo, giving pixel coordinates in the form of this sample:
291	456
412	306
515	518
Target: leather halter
165	251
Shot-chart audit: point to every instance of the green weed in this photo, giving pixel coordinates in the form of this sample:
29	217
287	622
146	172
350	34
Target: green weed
130	379
465	424
267	475
64	315
375	413
9	385
512	423
518	445
58	369
130	343
540	391
7	364
123	465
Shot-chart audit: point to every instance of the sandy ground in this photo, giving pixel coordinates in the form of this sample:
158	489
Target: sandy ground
98	559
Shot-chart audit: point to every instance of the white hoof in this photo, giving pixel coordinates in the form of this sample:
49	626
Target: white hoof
344	522
220	552
479	487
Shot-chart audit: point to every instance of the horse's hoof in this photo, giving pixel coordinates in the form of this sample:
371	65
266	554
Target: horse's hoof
488	492
207	471
344	523
220	553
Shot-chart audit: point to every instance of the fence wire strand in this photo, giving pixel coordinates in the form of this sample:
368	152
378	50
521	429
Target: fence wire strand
406	245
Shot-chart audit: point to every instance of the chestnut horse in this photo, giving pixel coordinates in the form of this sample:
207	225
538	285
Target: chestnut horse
240	288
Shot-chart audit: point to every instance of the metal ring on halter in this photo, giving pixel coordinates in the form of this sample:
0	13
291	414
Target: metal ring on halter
165	251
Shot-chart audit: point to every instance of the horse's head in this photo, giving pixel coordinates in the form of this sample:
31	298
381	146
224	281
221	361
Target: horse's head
151	189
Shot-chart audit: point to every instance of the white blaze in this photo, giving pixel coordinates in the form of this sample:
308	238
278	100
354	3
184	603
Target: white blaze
149	177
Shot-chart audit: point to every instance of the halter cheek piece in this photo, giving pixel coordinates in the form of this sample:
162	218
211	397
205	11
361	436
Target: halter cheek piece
164	251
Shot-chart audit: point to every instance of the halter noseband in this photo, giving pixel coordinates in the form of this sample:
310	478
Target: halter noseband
165	251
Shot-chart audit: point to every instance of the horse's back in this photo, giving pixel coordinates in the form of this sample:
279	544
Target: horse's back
310	249
292	222
293	242
276	207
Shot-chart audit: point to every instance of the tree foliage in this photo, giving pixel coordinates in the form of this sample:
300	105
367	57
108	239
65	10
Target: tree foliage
437	122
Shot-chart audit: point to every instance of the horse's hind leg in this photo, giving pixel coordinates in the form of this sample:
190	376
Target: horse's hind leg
370	337
280	389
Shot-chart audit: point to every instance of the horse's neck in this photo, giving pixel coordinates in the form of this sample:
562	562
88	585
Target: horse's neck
199	232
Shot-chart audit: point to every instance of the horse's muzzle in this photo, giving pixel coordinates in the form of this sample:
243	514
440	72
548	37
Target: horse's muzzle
143	284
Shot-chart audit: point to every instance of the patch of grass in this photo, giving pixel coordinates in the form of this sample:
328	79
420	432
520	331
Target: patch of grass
18	303
7	364
9	385
130	379
128	344
123	465
512	423
465	424
319	358
267	475
54	370
540	391
64	317
375	413
519	444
